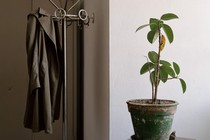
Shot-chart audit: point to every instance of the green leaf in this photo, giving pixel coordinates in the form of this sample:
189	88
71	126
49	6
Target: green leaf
153	23
154	32
163	75
141	27
153	56
147	67
169	32
152	36
176	68
184	86
168	70
163	62
169	16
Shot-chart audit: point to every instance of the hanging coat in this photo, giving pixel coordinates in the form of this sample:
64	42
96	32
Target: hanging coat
44	56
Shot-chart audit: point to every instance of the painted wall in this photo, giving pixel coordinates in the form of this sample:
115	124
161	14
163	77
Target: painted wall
190	49
96	72
13	74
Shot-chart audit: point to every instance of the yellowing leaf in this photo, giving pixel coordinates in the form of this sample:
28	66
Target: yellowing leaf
163	42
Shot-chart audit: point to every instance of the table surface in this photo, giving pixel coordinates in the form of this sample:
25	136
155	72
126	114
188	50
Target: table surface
178	138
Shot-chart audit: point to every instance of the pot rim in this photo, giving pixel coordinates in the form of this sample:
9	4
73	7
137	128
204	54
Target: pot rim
136	102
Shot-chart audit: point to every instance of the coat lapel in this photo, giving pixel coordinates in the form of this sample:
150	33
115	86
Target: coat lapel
47	24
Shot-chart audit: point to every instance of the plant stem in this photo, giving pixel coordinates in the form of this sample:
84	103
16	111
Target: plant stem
152	82
157	72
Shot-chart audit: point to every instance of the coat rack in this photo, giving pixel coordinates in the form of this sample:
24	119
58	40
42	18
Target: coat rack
83	19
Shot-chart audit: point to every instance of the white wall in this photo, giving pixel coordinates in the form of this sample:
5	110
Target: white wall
190	49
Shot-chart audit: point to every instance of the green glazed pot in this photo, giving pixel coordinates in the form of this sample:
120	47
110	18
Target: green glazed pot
152	121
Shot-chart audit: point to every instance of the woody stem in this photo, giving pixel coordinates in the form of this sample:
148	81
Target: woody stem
157	72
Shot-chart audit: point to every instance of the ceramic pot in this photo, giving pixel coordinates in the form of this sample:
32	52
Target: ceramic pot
152	121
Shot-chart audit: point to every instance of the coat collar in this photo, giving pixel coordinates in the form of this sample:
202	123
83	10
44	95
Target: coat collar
46	22
42	12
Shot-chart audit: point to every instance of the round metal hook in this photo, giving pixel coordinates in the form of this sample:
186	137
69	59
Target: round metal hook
83	15
60	13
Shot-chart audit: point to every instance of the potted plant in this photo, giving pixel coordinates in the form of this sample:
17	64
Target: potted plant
152	118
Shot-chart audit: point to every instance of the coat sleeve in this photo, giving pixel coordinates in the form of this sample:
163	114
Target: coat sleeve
31	118
32	48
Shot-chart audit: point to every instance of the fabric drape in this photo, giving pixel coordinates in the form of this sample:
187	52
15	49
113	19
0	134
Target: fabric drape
44	57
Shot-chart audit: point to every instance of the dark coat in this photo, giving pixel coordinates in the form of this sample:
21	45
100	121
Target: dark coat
44	57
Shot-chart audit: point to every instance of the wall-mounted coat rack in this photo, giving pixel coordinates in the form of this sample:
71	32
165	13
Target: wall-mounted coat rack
82	17
65	17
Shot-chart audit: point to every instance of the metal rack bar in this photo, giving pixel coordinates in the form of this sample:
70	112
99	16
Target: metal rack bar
64	16
65	115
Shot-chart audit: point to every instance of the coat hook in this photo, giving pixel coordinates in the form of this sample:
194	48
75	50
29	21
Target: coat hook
60	13
83	15
88	19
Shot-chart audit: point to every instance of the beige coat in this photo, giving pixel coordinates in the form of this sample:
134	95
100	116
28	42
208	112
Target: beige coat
44	57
